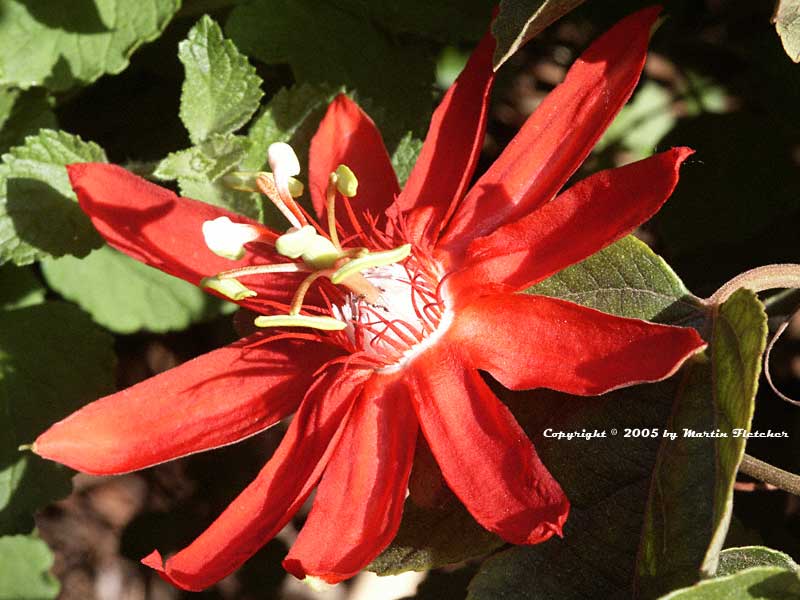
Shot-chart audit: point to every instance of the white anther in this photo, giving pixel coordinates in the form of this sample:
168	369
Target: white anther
227	239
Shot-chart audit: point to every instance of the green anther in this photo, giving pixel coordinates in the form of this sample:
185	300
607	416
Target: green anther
318	252
294	243
324	323
346	181
245	181
376	259
230	288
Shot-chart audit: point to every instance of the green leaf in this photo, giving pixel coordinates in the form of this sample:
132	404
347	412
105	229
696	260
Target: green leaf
642	123
733	560
216	193
53	360
205	162
326	42
25	563
626	279
764	583
78	42
405	156
292	116
39	215
125	295
430	537
787	23
28	112
221	90
19	287
520	20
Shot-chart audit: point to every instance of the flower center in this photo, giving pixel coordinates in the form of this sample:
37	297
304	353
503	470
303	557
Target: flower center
382	305
407	312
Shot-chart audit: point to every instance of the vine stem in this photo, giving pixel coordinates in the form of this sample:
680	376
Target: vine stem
769	277
767	473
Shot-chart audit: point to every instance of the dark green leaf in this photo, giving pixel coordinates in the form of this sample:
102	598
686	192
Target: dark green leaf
39	216
25	563
691	498
405	156
221	90
764	583
77	42
626	279
292	116
19	287
520	20
327	43
733	560
787	22
53	359
430	537
29	112
125	295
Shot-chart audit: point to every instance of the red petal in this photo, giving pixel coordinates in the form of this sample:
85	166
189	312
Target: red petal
279	490
531	341
582	220
157	227
214	400
486	458
451	149
348	136
558	135
359	501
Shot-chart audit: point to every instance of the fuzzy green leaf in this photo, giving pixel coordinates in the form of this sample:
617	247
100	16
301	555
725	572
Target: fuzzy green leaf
626	279
520	20
77	42
733	560
205	162
25	573
221	90
762	583
787	23
125	295
39	215
53	360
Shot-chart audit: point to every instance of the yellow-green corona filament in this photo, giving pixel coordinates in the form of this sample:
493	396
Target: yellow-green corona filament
324	323
374	259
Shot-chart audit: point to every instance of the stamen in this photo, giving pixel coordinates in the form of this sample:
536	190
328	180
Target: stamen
302	290
263	269
230	288
324	323
316	251
375	259
330	201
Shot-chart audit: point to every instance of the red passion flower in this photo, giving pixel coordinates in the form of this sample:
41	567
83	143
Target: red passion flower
374	325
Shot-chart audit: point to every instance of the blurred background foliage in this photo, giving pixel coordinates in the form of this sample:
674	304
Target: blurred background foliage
105	80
